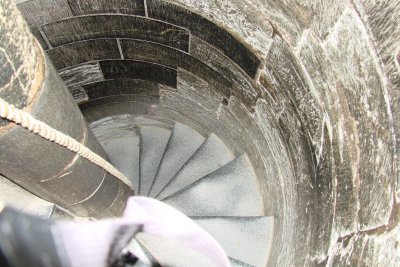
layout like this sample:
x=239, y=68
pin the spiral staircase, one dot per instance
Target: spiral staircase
x=197, y=175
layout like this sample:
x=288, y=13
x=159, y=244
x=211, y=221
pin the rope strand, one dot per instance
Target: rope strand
x=27, y=121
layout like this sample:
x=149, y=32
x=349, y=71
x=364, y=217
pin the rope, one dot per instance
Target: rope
x=26, y=120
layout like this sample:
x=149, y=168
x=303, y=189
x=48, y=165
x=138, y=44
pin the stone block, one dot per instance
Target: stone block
x=130, y=69
x=382, y=19
x=335, y=156
x=81, y=52
x=206, y=30
x=199, y=91
x=116, y=26
x=132, y=7
x=121, y=87
x=82, y=74
x=290, y=76
x=78, y=93
x=359, y=73
x=214, y=58
x=40, y=12
x=147, y=51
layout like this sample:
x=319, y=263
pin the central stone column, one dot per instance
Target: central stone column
x=29, y=81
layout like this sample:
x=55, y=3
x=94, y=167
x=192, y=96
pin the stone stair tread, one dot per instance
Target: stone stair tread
x=239, y=236
x=153, y=142
x=121, y=141
x=212, y=155
x=183, y=143
x=170, y=253
x=123, y=151
x=231, y=190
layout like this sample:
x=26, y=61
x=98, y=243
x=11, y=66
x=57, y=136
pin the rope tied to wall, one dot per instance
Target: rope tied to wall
x=27, y=121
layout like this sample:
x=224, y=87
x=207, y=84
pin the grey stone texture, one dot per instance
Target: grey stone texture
x=121, y=142
x=135, y=7
x=17, y=49
x=253, y=236
x=318, y=117
x=117, y=26
x=212, y=155
x=233, y=190
x=182, y=144
x=81, y=52
x=153, y=142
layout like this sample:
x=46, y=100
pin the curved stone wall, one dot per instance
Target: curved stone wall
x=308, y=90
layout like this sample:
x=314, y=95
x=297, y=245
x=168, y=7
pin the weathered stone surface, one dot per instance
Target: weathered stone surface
x=40, y=12
x=246, y=87
x=76, y=76
x=200, y=91
x=382, y=18
x=375, y=249
x=81, y=52
x=206, y=30
x=121, y=87
x=132, y=7
x=286, y=168
x=336, y=154
x=320, y=132
x=130, y=69
x=244, y=19
x=147, y=51
x=289, y=75
x=325, y=14
x=82, y=74
x=116, y=26
x=17, y=49
x=78, y=93
x=364, y=89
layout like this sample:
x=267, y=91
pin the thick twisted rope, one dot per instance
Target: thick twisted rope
x=26, y=120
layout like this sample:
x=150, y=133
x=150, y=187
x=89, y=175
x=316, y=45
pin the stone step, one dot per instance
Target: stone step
x=232, y=190
x=212, y=155
x=121, y=142
x=246, y=239
x=171, y=253
x=153, y=142
x=183, y=143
